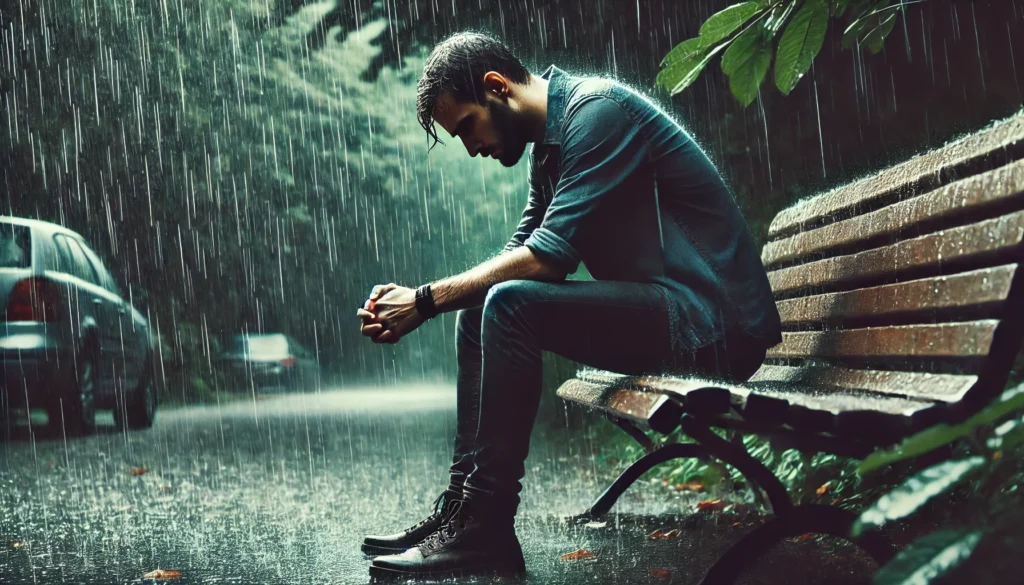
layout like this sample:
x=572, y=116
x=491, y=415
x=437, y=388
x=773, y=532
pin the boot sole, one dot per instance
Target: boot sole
x=385, y=574
x=372, y=550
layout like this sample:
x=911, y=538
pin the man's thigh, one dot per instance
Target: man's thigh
x=620, y=326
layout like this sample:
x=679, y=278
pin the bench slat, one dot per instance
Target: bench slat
x=918, y=174
x=1005, y=184
x=914, y=385
x=968, y=243
x=657, y=411
x=945, y=340
x=802, y=407
x=967, y=291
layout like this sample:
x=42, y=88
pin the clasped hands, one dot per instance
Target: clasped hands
x=389, y=313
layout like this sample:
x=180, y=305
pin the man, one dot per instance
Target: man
x=615, y=184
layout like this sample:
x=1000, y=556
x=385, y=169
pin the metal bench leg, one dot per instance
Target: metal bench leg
x=738, y=457
x=808, y=518
x=632, y=430
x=606, y=500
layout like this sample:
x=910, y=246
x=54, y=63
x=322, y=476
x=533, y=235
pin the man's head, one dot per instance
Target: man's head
x=469, y=87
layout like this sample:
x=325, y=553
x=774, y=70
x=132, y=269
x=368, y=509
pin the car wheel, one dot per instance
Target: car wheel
x=75, y=405
x=139, y=409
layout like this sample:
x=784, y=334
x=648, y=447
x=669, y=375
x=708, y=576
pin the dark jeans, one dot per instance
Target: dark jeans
x=618, y=326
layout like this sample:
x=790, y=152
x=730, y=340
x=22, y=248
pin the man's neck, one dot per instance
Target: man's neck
x=534, y=99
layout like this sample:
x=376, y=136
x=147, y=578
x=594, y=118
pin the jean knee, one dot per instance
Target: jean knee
x=467, y=325
x=505, y=298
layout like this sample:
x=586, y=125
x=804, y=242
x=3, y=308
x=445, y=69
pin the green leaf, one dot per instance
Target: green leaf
x=928, y=558
x=800, y=43
x=746, y=63
x=875, y=38
x=943, y=434
x=864, y=22
x=724, y=23
x=683, y=51
x=1008, y=435
x=778, y=17
x=914, y=493
x=677, y=77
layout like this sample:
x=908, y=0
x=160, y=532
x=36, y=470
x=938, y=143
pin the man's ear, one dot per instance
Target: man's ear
x=497, y=84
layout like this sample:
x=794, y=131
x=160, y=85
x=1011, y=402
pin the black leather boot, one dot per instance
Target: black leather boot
x=399, y=542
x=472, y=542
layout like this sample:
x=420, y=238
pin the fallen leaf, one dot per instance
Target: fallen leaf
x=660, y=573
x=690, y=486
x=997, y=456
x=656, y=535
x=162, y=574
x=710, y=505
x=577, y=555
x=824, y=489
x=804, y=537
x=737, y=524
x=137, y=471
x=17, y=544
x=670, y=534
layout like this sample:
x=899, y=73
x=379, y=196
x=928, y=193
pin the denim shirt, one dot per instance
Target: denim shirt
x=620, y=186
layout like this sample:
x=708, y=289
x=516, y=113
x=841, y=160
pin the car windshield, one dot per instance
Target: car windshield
x=15, y=246
x=260, y=346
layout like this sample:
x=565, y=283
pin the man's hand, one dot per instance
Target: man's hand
x=389, y=314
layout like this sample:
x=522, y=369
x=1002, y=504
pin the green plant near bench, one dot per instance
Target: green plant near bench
x=744, y=35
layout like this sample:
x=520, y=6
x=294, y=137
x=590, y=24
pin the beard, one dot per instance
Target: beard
x=510, y=131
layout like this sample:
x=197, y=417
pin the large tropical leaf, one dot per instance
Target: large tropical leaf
x=874, y=39
x=864, y=22
x=724, y=23
x=746, y=63
x=684, y=51
x=677, y=77
x=943, y=434
x=778, y=17
x=913, y=493
x=800, y=43
x=928, y=558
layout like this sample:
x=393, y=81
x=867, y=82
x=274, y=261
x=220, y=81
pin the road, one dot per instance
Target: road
x=280, y=489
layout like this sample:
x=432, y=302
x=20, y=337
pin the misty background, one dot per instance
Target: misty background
x=257, y=165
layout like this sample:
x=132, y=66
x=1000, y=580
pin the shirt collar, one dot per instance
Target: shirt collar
x=557, y=87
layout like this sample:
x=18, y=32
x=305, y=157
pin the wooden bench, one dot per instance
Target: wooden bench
x=902, y=305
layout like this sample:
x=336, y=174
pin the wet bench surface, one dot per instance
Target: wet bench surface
x=902, y=303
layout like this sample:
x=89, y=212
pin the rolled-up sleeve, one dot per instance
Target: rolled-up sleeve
x=601, y=147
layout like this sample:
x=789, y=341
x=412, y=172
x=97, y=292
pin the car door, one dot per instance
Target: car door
x=101, y=305
x=132, y=331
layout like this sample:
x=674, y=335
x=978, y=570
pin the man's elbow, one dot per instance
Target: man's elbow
x=548, y=269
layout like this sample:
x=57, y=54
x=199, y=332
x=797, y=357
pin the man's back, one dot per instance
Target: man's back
x=620, y=186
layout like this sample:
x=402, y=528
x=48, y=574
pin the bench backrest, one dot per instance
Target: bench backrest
x=915, y=269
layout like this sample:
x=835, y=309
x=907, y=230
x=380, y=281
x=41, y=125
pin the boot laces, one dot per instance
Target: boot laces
x=448, y=531
x=439, y=510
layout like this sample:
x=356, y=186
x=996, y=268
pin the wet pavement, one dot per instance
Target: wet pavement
x=279, y=489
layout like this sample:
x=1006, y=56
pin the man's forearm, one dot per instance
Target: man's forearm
x=469, y=289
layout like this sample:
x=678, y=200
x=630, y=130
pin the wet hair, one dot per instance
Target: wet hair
x=458, y=64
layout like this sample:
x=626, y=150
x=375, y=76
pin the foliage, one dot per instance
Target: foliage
x=747, y=31
x=929, y=558
x=915, y=492
x=997, y=471
x=944, y=434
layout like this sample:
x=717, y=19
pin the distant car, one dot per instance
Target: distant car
x=271, y=359
x=69, y=342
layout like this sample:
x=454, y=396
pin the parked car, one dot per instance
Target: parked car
x=69, y=341
x=264, y=360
